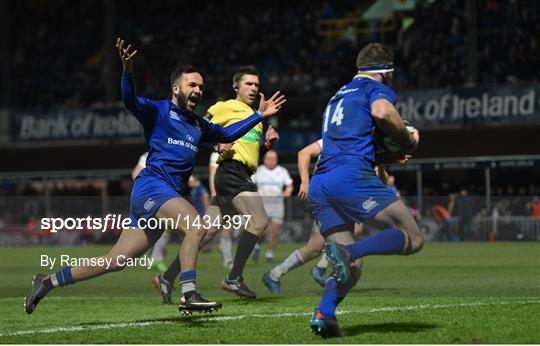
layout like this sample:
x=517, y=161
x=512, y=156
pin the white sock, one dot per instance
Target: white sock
x=294, y=260
x=188, y=287
x=158, y=251
x=269, y=254
x=225, y=245
x=323, y=262
x=54, y=281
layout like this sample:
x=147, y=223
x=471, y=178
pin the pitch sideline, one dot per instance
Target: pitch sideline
x=239, y=317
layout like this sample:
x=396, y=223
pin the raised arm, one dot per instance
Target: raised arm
x=219, y=134
x=139, y=106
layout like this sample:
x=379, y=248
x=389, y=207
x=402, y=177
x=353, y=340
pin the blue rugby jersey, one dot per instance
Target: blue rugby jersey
x=173, y=135
x=348, y=123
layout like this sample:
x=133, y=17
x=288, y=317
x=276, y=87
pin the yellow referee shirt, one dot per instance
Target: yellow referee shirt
x=247, y=148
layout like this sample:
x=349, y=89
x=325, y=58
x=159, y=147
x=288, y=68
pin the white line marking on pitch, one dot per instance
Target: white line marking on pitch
x=240, y=317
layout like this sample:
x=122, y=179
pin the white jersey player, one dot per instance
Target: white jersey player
x=274, y=184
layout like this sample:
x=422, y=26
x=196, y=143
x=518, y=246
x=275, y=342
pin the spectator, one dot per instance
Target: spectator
x=465, y=211
x=534, y=207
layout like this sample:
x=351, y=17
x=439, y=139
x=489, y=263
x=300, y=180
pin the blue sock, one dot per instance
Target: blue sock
x=187, y=282
x=188, y=276
x=329, y=299
x=333, y=295
x=390, y=241
x=64, y=277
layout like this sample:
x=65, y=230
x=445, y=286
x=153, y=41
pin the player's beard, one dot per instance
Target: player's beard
x=183, y=101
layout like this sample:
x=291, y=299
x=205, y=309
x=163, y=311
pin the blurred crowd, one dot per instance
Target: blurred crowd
x=59, y=59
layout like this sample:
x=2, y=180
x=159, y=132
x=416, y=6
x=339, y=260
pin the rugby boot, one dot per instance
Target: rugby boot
x=164, y=288
x=273, y=285
x=238, y=287
x=341, y=260
x=193, y=301
x=317, y=273
x=38, y=292
x=323, y=326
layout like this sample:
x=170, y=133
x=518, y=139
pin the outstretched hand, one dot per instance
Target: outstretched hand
x=125, y=55
x=272, y=105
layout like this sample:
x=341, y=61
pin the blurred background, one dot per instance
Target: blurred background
x=467, y=76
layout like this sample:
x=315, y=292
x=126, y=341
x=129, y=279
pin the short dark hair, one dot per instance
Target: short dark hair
x=242, y=71
x=180, y=70
x=374, y=54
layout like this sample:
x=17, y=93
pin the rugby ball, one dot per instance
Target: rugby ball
x=384, y=142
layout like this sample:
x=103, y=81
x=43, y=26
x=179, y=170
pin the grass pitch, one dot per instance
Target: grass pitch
x=447, y=293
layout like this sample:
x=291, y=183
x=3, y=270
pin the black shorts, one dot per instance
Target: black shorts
x=232, y=177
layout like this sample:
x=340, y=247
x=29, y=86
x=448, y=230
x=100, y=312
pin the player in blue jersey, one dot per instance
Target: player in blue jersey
x=173, y=133
x=345, y=189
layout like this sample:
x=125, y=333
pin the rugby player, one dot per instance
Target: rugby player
x=345, y=189
x=274, y=184
x=315, y=244
x=158, y=250
x=173, y=132
x=235, y=191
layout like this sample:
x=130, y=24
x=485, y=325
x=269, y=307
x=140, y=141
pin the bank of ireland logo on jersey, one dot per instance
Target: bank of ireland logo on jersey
x=173, y=115
x=369, y=204
x=190, y=138
x=149, y=204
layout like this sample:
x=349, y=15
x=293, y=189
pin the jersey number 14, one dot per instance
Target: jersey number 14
x=337, y=116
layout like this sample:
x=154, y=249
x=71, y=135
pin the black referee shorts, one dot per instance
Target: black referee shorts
x=232, y=177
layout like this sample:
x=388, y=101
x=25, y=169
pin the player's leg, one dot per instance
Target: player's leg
x=276, y=213
x=319, y=270
x=247, y=203
x=132, y=243
x=158, y=251
x=194, y=234
x=399, y=234
x=225, y=246
x=358, y=229
x=273, y=230
x=339, y=227
x=213, y=213
x=164, y=282
x=312, y=249
x=324, y=320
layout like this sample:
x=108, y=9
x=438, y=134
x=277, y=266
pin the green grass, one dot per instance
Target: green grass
x=447, y=293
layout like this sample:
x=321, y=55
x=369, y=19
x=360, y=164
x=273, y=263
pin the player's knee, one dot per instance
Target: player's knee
x=209, y=236
x=258, y=226
x=201, y=233
x=416, y=239
x=417, y=242
x=116, y=265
